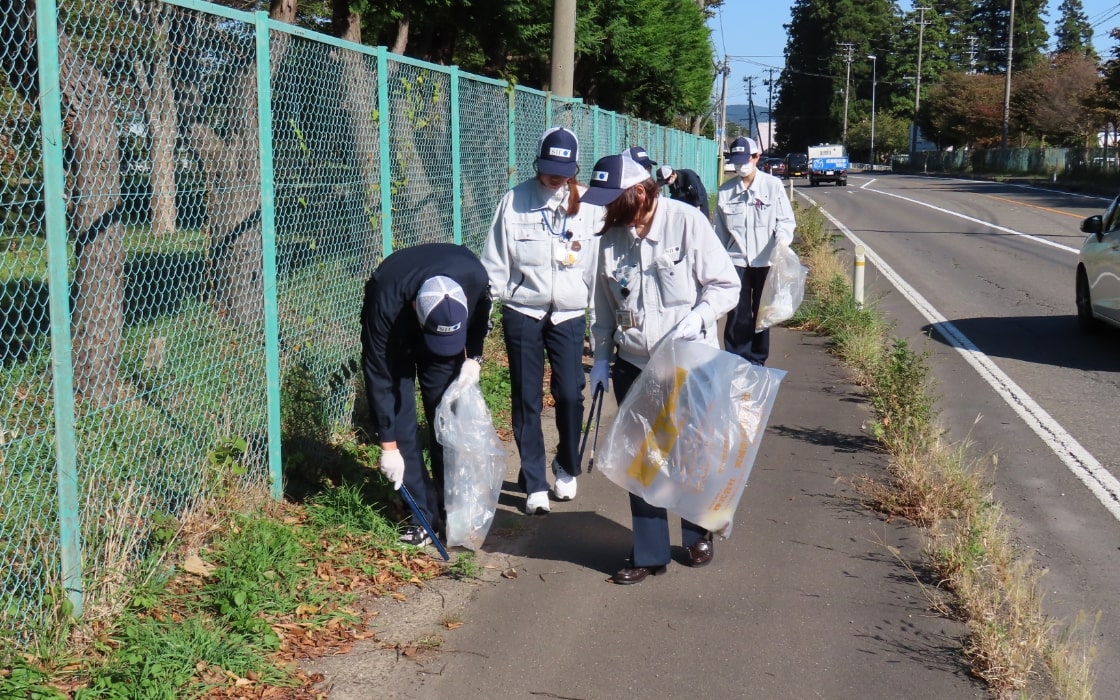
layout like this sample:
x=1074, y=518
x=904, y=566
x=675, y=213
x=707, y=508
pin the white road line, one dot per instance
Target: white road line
x=1077, y=459
x=1004, y=229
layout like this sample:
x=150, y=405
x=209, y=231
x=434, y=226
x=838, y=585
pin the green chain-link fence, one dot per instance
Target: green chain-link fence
x=193, y=197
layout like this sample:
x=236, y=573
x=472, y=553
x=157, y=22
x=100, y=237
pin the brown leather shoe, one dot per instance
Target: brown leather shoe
x=637, y=574
x=701, y=552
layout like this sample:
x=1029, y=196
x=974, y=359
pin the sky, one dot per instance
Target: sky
x=750, y=34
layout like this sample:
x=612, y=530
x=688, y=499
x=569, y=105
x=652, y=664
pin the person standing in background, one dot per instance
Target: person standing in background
x=661, y=273
x=685, y=186
x=540, y=258
x=423, y=307
x=753, y=215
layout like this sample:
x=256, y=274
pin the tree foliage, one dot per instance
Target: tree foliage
x=1047, y=100
x=964, y=110
x=1074, y=34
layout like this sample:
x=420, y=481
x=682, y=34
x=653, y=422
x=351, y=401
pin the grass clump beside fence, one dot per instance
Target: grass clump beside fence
x=983, y=578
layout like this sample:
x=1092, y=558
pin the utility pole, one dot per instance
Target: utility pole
x=917, y=83
x=874, y=72
x=847, y=79
x=971, y=53
x=721, y=128
x=1007, y=83
x=770, y=111
x=749, y=80
x=562, y=79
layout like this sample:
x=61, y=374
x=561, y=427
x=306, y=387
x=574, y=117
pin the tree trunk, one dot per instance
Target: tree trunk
x=401, y=42
x=98, y=317
x=360, y=103
x=158, y=97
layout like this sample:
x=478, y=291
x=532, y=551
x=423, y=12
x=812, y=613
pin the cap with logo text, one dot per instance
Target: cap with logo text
x=641, y=157
x=742, y=149
x=441, y=305
x=558, y=153
x=612, y=176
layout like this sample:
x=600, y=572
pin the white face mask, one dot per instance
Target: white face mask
x=746, y=169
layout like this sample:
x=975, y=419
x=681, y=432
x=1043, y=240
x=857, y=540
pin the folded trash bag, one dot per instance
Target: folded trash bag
x=783, y=290
x=688, y=431
x=474, y=464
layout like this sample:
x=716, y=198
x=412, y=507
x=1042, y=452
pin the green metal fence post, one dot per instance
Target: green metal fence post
x=268, y=254
x=386, y=165
x=456, y=159
x=595, y=134
x=58, y=257
x=548, y=110
x=511, y=92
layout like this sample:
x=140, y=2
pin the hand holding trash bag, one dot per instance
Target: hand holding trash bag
x=783, y=290
x=470, y=371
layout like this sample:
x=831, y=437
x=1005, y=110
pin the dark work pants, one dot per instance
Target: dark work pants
x=650, y=523
x=527, y=341
x=434, y=374
x=739, y=336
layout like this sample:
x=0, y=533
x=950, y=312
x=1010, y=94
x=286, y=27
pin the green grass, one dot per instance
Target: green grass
x=941, y=487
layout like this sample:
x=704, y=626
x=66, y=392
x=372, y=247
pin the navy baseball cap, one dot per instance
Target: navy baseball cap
x=612, y=176
x=641, y=157
x=558, y=153
x=441, y=305
x=742, y=149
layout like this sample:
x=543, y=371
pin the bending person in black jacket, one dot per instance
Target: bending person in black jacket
x=424, y=306
x=684, y=186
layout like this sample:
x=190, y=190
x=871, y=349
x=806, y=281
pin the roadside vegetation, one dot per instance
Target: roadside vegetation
x=244, y=587
x=979, y=575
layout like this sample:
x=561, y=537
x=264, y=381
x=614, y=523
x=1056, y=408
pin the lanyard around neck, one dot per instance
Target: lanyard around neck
x=563, y=234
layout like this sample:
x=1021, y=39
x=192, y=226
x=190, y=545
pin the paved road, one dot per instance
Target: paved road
x=1003, y=278
x=805, y=600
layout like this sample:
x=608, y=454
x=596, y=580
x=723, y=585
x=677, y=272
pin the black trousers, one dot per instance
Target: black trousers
x=434, y=374
x=527, y=341
x=650, y=523
x=739, y=336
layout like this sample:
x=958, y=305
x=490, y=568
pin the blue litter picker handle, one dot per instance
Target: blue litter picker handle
x=424, y=522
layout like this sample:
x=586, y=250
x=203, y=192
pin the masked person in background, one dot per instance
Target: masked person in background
x=684, y=186
x=662, y=272
x=540, y=257
x=424, y=319
x=753, y=215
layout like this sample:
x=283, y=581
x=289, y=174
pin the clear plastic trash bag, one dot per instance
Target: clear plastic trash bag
x=474, y=464
x=783, y=290
x=688, y=431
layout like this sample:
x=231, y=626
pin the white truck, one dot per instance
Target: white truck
x=828, y=162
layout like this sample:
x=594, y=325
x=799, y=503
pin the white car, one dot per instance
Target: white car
x=1098, y=270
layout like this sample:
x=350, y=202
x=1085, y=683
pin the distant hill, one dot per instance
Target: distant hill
x=740, y=114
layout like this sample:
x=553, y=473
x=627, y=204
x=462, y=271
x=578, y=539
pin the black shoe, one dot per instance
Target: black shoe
x=415, y=535
x=636, y=574
x=701, y=552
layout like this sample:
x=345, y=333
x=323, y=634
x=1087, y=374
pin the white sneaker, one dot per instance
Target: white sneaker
x=565, y=483
x=537, y=503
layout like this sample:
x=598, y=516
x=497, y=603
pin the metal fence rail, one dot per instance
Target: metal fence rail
x=193, y=197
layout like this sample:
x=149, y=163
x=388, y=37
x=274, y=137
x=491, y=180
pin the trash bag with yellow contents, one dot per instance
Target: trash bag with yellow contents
x=688, y=431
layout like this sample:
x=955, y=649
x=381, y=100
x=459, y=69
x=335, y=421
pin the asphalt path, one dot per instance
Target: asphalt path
x=812, y=596
x=981, y=275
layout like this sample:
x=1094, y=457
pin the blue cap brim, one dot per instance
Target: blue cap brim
x=551, y=167
x=447, y=345
x=601, y=196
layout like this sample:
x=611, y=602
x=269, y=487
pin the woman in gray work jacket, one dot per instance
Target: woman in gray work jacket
x=540, y=257
x=662, y=272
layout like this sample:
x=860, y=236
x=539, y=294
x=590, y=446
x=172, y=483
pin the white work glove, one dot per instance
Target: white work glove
x=690, y=327
x=392, y=465
x=600, y=374
x=470, y=371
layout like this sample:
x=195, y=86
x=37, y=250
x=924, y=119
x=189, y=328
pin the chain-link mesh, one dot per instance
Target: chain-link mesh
x=187, y=242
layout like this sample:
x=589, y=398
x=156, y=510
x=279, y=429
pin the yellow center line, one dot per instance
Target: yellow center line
x=1033, y=206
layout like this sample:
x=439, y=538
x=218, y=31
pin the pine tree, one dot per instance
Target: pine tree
x=1074, y=34
x=990, y=23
